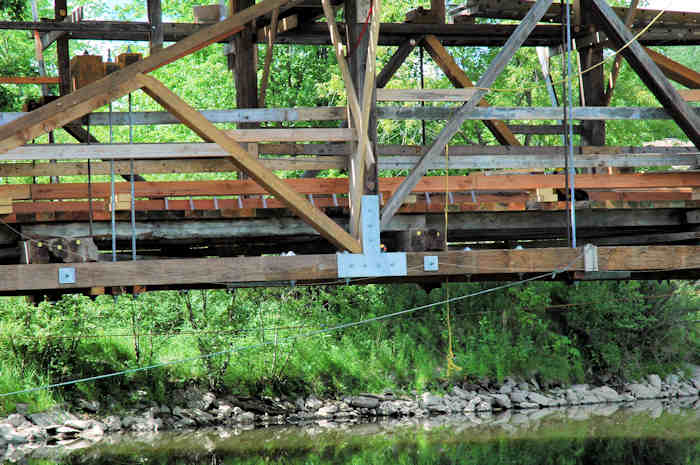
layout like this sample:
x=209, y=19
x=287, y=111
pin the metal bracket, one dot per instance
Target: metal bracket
x=430, y=263
x=372, y=262
x=66, y=276
x=590, y=258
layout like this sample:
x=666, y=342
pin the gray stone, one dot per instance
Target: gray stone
x=672, y=379
x=201, y=417
x=588, y=398
x=8, y=435
x=130, y=420
x=461, y=393
x=312, y=403
x=506, y=389
x=580, y=387
x=572, y=397
x=91, y=406
x=539, y=399
x=327, y=411
x=434, y=403
x=642, y=391
x=246, y=418
x=518, y=396
x=208, y=401
x=78, y=424
x=502, y=400
x=655, y=381
x=224, y=411
x=22, y=409
x=51, y=417
x=606, y=393
x=528, y=405
x=364, y=402
x=483, y=407
x=16, y=420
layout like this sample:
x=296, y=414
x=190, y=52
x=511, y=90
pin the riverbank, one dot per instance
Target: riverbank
x=86, y=422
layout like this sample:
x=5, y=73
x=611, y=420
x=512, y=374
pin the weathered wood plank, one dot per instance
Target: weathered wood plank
x=328, y=186
x=266, y=178
x=494, y=70
x=293, y=135
x=648, y=71
x=674, y=70
x=425, y=95
x=323, y=267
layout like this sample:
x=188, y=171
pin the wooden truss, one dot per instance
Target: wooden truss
x=131, y=78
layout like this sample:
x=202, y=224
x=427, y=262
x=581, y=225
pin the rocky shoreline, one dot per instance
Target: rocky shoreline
x=88, y=422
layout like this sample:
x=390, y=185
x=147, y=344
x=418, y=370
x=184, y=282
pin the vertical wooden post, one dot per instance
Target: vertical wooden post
x=62, y=52
x=155, y=20
x=243, y=64
x=356, y=13
x=593, y=82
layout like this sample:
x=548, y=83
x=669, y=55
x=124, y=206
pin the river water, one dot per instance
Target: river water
x=642, y=433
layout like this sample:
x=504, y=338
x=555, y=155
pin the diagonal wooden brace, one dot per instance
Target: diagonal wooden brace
x=97, y=94
x=262, y=175
x=514, y=42
x=648, y=71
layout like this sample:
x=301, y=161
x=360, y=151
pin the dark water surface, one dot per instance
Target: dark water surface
x=639, y=434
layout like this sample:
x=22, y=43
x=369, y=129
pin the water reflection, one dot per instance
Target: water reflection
x=649, y=432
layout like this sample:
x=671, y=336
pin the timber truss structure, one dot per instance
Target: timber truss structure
x=508, y=218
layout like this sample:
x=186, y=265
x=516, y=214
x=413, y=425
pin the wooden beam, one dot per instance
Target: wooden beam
x=29, y=80
x=648, y=71
x=268, y=56
x=425, y=95
x=155, y=19
x=327, y=186
x=266, y=178
x=293, y=135
x=615, y=72
x=460, y=79
x=674, y=70
x=396, y=61
x=88, y=98
x=494, y=70
x=309, y=268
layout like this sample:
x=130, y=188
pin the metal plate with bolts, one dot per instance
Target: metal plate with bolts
x=66, y=276
x=351, y=265
x=430, y=263
x=372, y=262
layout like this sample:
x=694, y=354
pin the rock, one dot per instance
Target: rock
x=16, y=420
x=22, y=409
x=91, y=406
x=51, y=417
x=641, y=391
x=95, y=432
x=78, y=424
x=606, y=393
x=312, y=403
x=518, y=396
x=539, y=399
x=528, y=405
x=672, y=380
x=130, y=420
x=572, y=397
x=246, y=418
x=432, y=403
x=655, y=381
x=147, y=425
x=364, y=402
x=580, y=387
x=327, y=412
x=201, y=417
x=461, y=393
x=588, y=398
x=506, y=389
x=8, y=435
x=483, y=407
x=208, y=401
x=224, y=411
x=502, y=400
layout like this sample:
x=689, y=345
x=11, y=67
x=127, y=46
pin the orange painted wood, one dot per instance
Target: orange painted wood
x=28, y=80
